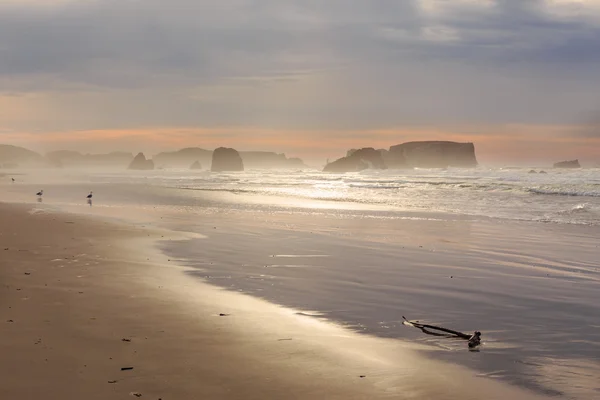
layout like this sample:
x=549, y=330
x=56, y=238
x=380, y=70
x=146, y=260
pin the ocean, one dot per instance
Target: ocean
x=507, y=252
x=558, y=196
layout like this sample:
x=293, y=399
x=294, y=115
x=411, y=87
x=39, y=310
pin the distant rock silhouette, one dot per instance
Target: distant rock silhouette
x=251, y=159
x=269, y=159
x=567, y=164
x=431, y=154
x=183, y=158
x=532, y=171
x=226, y=159
x=62, y=155
x=196, y=165
x=357, y=160
x=425, y=154
x=14, y=157
x=68, y=158
x=543, y=172
x=140, y=163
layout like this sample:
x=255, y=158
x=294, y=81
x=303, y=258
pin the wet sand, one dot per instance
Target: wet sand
x=532, y=289
x=72, y=289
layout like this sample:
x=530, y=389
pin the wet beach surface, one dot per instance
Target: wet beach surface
x=535, y=301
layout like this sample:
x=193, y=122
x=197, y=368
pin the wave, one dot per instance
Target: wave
x=564, y=192
x=582, y=208
x=572, y=199
x=383, y=187
x=219, y=190
x=318, y=197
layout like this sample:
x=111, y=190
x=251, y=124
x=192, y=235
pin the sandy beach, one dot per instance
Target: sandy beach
x=82, y=299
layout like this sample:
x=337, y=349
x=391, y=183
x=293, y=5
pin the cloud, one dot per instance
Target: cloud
x=131, y=43
x=296, y=64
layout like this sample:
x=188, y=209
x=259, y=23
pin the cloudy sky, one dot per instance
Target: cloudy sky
x=520, y=78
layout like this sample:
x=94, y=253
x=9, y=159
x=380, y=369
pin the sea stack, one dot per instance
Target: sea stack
x=226, y=159
x=432, y=154
x=568, y=164
x=357, y=160
x=196, y=165
x=140, y=163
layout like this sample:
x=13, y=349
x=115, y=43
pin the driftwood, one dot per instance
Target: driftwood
x=474, y=339
x=426, y=329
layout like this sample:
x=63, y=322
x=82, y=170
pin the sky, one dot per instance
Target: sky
x=311, y=78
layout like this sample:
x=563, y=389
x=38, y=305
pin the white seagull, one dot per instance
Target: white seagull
x=40, y=193
x=89, y=196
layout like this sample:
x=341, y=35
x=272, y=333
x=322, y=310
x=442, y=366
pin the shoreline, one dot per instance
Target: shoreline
x=67, y=336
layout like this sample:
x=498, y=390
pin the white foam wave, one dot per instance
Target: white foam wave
x=562, y=191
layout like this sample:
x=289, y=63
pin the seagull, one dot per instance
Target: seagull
x=40, y=193
x=13, y=179
x=89, y=196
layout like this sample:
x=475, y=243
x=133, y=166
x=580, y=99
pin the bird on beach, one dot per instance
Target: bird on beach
x=13, y=179
x=89, y=196
x=40, y=193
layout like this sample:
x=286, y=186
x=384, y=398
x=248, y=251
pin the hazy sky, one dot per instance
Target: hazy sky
x=520, y=78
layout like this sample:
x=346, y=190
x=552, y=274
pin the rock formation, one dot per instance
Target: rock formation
x=183, y=158
x=357, y=160
x=295, y=162
x=196, y=165
x=251, y=159
x=68, y=158
x=226, y=159
x=14, y=157
x=140, y=163
x=567, y=164
x=269, y=159
x=432, y=154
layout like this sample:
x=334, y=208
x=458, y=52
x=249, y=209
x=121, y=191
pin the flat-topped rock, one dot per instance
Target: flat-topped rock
x=567, y=164
x=432, y=154
x=226, y=159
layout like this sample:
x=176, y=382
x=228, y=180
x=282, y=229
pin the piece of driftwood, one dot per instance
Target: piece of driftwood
x=474, y=339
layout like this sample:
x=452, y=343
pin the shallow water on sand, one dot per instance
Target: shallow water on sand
x=534, y=300
x=532, y=288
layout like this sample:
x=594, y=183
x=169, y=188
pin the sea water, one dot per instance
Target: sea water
x=558, y=196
